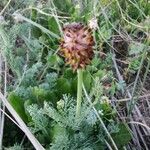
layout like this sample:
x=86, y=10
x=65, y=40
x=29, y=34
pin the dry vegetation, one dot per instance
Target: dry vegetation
x=38, y=90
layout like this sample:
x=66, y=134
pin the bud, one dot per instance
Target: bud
x=17, y=17
x=93, y=23
x=2, y=20
x=60, y=104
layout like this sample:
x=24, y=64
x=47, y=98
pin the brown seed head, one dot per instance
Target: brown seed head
x=77, y=45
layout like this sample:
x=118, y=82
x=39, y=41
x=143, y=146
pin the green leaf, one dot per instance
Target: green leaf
x=95, y=61
x=57, y=131
x=64, y=6
x=123, y=137
x=107, y=33
x=39, y=93
x=100, y=73
x=26, y=104
x=52, y=97
x=18, y=104
x=63, y=86
x=52, y=60
x=69, y=74
x=52, y=25
x=136, y=48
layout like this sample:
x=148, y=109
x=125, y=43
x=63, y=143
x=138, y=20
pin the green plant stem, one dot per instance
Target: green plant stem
x=79, y=92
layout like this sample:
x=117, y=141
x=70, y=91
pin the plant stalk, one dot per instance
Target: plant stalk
x=79, y=92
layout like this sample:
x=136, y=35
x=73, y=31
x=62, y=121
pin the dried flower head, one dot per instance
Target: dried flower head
x=77, y=45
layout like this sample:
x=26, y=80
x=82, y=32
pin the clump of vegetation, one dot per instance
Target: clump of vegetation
x=75, y=73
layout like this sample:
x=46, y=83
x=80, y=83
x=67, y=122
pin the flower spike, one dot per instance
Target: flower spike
x=77, y=45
